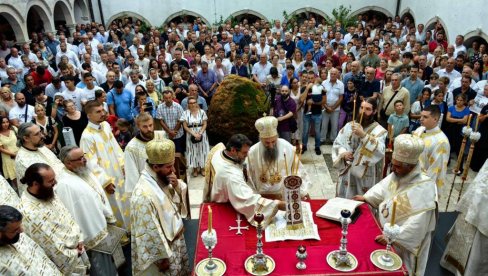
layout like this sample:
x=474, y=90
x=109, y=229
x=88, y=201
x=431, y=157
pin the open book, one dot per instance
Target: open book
x=332, y=209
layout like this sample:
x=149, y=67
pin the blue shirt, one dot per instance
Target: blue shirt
x=206, y=80
x=414, y=88
x=399, y=122
x=136, y=110
x=123, y=103
x=305, y=46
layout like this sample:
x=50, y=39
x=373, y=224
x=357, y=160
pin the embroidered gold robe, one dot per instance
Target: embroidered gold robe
x=356, y=177
x=157, y=226
x=257, y=168
x=53, y=228
x=7, y=194
x=107, y=160
x=415, y=214
x=25, y=257
x=225, y=182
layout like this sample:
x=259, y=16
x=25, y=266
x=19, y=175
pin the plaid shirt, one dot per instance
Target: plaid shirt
x=170, y=115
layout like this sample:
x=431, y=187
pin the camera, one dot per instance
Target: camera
x=148, y=107
x=358, y=81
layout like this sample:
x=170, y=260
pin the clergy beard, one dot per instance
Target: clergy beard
x=7, y=241
x=163, y=179
x=82, y=171
x=45, y=193
x=147, y=136
x=367, y=120
x=270, y=154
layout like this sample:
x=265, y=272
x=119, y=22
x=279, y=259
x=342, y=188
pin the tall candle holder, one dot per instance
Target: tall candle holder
x=210, y=266
x=342, y=260
x=259, y=263
x=384, y=258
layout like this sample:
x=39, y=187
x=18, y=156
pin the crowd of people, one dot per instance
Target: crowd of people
x=133, y=99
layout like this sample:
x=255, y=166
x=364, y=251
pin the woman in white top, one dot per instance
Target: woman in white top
x=195, y=124
x=209, y=56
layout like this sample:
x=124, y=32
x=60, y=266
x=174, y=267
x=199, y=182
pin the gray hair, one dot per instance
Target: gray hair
x=8, y=214
x=65, y=152
x=22, y=132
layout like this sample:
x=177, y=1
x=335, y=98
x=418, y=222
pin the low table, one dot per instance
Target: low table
x=234, y=249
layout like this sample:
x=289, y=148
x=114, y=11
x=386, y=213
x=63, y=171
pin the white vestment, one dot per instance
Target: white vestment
x=435, y=156
x=467, y=249
x=107, y=160
x=257, y=167
x=26, y=157
x=7, y=195
x=225, y=182
x=356, y=177
x=85, y=204
x=51, y=226
x=25, y=257
x=415, y=194
x=135, y=161
x=157, y=226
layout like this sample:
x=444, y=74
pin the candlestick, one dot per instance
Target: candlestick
x=286, y=164
x=393, y=212
x=392, y=131
x=469, y=120
x=354, y=109
x=361, y=117
x=209, y=219
x=477, y=122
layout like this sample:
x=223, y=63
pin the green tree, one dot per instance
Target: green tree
x=343, y=15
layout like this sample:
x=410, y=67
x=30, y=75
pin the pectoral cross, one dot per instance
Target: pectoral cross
x=238, y=227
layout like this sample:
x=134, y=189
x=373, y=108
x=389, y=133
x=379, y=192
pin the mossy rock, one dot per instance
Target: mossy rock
x=235, y=107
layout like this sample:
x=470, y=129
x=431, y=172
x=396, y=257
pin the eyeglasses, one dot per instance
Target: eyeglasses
x=79, y=159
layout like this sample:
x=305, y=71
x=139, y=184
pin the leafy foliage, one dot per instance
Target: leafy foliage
x=343, y=15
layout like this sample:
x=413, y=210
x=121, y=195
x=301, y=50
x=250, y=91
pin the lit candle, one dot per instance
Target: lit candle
x=393, y=212
x=354, y=109
x=286, y=164
x=392, y=131
x=209, y=219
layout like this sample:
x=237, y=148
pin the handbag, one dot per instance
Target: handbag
x=192, y=138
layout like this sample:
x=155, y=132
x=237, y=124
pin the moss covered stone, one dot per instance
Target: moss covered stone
x=236, y=105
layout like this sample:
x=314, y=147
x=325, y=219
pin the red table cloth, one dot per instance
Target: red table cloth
x=234, y=249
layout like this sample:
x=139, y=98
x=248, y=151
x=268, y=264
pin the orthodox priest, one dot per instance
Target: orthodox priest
x=225, y=181
x=467, y=248
x=32, y=150
x=415, y=195
x=49, y=223
x=358, y=152
x=158, y=206
x=83, y=196
x=107, y=160
x=135, y=152
x=437, y=148
x=19, y=254
x=270, y=160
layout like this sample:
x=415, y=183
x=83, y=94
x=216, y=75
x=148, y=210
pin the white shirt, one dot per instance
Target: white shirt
x=334, y=91
x=132, y=87
x=19, y=113
x=88, y=94
x=74, y=95
x=16, y=62
x=451, y=75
